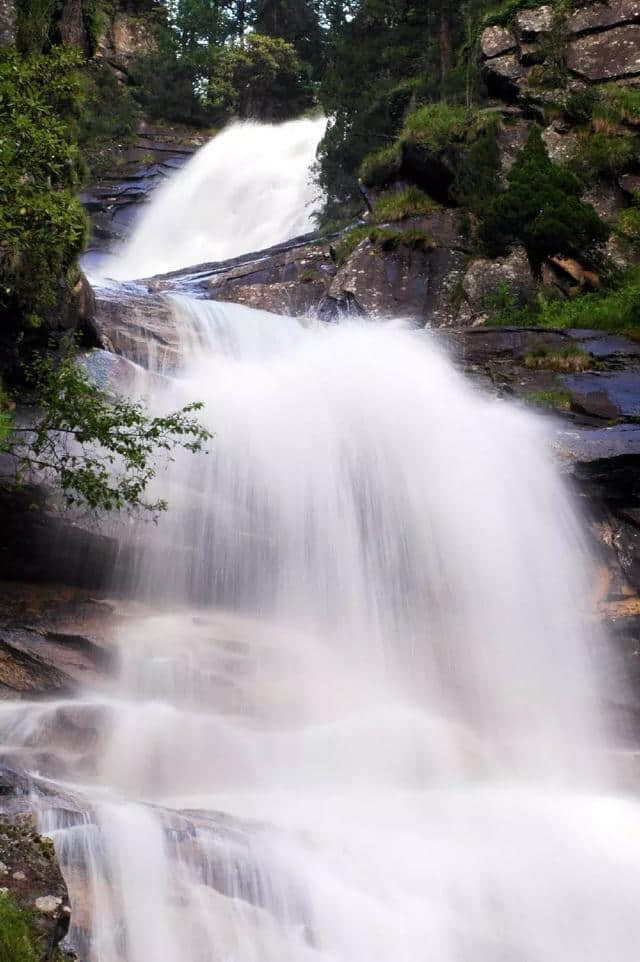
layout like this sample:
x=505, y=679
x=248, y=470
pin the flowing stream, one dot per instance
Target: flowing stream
x=358, y=717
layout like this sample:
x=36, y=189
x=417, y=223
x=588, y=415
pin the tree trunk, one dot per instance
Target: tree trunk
x=241, y=14
x=446, y=44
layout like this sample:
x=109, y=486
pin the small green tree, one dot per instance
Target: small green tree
x=100, y=452
x=260, y=78
x=541, y=208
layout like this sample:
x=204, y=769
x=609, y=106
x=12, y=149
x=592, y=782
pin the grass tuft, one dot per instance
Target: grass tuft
x=411, y=202
x=384, y=239
x=436, y=125
x=564, y=359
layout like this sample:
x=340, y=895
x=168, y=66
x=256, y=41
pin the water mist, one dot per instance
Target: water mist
x=359, y=713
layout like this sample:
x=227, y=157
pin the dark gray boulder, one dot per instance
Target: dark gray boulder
x=610, y=55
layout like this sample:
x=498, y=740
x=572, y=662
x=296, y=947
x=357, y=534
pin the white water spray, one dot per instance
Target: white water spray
x=248, y=189
x=364, y=720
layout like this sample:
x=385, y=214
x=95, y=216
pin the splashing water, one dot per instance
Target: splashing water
x=363, y=720
x=248, y=189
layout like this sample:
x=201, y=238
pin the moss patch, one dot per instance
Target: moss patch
x=384, y=239
x=436, y=125
x=381, y=167
x=18, y=942
x=557, y=400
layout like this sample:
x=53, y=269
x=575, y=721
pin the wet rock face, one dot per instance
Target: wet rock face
x=297, y=278
x=415, y=283
x=137, y=326
x=29, y=871
x=116, y=200
x=292, y=282
x=596, y=442
x=40, y=544
x=52, y=640
x=511, y=275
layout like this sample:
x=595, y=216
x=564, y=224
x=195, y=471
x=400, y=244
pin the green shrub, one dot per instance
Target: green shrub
x=34, y=22
x=478, y=169
x=164, y=79
x=501, y=305
x=613, y=310
x=96, y=15
x=261, y=79
x=42, y=224
x=541, y=208
x=381, y=167
x=109, y=119
x=579, y=106
x=116, y=441
x=603, y=154
x=411, y=202
x=17, y=940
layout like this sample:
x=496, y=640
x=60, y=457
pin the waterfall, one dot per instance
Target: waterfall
x=248, y=189
x=359, y=710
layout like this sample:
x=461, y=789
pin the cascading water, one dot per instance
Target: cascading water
x=248, y=189
x=363, y=721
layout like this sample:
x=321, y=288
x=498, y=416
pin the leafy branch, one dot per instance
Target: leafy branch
x=101, y=452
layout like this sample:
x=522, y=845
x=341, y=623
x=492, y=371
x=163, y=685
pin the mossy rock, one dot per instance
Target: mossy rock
x=34, y=903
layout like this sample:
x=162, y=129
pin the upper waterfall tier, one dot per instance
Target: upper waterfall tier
x=249, y=188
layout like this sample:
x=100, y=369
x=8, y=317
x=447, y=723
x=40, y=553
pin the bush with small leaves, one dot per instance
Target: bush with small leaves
x=42, y=224
x=100, y=452
x=541, y=208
